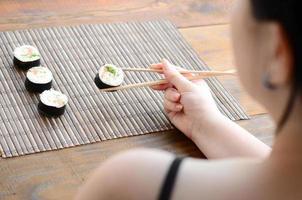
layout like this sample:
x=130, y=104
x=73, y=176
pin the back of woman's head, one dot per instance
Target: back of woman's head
x=288, y=14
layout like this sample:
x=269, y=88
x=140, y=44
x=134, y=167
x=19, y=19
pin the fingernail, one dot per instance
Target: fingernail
x=168, y=65
x=179, y=107
x=176, y=96
x=164, y=60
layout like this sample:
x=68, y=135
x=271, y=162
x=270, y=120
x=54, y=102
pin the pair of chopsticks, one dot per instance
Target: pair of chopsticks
x=198, y=75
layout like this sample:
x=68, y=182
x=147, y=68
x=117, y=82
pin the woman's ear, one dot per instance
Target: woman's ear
x=281, y=66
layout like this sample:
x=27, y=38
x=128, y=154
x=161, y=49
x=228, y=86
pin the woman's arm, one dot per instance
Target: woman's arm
x=191, y=108
x=139, y=174
x=219, y=137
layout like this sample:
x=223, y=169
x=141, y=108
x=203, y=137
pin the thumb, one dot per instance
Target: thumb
x=173, y=76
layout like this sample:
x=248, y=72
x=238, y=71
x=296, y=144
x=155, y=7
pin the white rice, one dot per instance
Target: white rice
x=39, y=75
x=27, y=53
x=53, y=98
x=110, y=78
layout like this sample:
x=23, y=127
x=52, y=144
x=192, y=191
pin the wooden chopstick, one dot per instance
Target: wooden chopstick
x=201, y=75
x=152, y=70
x=180, y=71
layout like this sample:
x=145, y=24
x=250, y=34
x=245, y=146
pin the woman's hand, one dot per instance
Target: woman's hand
x=188, y=104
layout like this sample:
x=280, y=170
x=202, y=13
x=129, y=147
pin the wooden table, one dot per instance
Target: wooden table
x=204, y=23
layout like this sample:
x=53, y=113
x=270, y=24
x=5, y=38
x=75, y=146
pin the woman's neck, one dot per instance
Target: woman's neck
x=288, y=141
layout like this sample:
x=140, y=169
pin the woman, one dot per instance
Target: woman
x=267, y=40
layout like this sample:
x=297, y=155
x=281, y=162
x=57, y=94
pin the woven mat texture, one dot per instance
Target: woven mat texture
x=74, y=55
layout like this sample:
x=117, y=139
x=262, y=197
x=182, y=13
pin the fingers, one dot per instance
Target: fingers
x=201, y=83
x=172, y=94
x=171, y=102
x=174, y=77
x=157, y=66
x=161, y=87
x=172, y=106
x=161, y=66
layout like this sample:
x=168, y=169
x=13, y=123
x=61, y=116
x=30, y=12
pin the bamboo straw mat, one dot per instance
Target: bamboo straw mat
x=74, y=55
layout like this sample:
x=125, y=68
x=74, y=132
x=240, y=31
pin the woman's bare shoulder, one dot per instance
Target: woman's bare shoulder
x=238, y=179
x=219, y=179
x=139, y=174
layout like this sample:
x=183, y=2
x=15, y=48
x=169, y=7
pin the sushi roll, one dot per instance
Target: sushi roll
x=109, y=76
x=52, y=103
x=26, y=56
x=38, y=79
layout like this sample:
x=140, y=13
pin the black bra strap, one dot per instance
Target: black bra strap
x=167, y=187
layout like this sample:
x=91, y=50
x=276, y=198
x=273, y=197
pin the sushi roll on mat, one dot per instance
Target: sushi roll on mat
x=26, y=56
x=38, y=79
x=52, y=103
x=109, y=76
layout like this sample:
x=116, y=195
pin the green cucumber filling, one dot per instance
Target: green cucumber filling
x=112, y=70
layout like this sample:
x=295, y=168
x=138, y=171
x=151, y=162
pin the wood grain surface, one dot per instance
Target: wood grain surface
x=58, y=174
x=18, y=14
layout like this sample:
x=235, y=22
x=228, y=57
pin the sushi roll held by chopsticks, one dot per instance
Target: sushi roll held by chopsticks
x=109, y=76
x=38, y=79
x=26, y=56
x=52, y=103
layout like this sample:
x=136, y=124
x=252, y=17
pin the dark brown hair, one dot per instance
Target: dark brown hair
x=288, y=14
